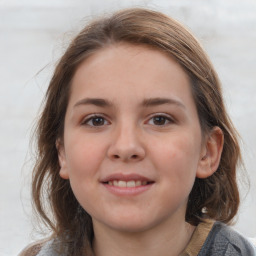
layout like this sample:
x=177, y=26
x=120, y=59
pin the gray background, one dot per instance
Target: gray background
x=33, y=34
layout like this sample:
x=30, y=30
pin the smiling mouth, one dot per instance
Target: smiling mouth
x=127, y=184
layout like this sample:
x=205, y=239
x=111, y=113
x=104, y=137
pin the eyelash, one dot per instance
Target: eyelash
x=166, y=118
x=91, y=118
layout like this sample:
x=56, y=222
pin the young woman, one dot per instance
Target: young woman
x=136, y=153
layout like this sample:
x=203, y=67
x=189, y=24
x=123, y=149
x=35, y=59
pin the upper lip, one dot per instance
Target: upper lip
x=125, y=177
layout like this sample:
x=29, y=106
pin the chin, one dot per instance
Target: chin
x=131, y=227
x=130, y=224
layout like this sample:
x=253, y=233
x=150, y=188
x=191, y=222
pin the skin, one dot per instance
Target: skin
x=135, y=133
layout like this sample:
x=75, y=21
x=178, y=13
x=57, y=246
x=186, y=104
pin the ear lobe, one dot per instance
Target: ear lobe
x=62, y=160
x=211, y=153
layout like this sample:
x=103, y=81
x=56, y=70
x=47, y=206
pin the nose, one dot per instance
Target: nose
x=126, y=145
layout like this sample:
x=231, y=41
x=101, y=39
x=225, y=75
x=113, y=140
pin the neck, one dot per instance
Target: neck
x=163, y=241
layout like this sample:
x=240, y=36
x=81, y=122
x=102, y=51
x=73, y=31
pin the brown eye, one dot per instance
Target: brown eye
x=95, y=121
x=160, y=120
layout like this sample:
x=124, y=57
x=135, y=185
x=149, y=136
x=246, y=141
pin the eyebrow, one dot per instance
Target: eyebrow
x=161, y=101
x=145, y=103
x=94, y=101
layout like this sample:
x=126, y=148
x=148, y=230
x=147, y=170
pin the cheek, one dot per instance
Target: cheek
x=84, y=160
x=178, y=157
x=84, y=156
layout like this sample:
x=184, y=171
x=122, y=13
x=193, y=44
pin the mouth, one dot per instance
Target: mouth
x=127, y=184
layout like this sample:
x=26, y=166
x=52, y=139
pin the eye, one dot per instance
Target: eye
x=160, y=120
x=95, y=121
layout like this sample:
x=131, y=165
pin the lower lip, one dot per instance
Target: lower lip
x=127, y=191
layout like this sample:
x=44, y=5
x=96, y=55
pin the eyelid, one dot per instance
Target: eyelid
x=86, y=119
x=170, y=118
x=94, y=115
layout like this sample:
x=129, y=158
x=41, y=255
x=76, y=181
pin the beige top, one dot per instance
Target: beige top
x=198, y=238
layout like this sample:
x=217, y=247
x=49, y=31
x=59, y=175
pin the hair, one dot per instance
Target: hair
x=215, y=197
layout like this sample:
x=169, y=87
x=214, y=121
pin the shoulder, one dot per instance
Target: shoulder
x=223, y=240
x=41, y=248
x=33, y=249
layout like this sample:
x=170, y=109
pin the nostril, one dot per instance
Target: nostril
x=132, y=157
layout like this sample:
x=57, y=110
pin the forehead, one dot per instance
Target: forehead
x=131, y=68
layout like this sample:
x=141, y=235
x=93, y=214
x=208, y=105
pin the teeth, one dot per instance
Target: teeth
x=137, y=183
x=121, y=184
x=128, y=184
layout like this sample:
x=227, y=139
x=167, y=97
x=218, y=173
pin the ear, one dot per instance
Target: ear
x=210, y=153
x=62, y=160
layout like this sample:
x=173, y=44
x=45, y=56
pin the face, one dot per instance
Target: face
x=132, y=143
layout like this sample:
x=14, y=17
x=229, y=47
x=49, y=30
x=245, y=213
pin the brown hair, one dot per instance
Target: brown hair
x=217, y=195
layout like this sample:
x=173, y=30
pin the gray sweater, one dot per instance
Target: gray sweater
x=221, y=241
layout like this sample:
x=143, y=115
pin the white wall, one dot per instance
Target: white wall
x=34, y=33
